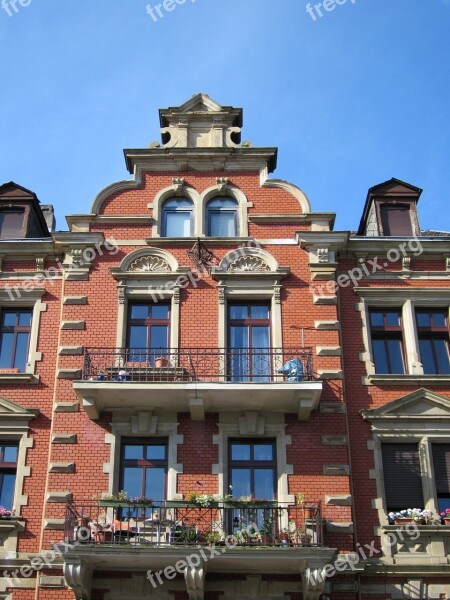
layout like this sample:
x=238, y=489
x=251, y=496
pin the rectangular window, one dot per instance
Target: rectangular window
x=387, y=341
x=396, y=219
x=253, y=468
x=249, y=342
x=433, y=333
x=8, y=469
x=148, y=331
x=11, y=223
x=402, y=476
x=14, y=339
x=441, y=462
x=144, y=470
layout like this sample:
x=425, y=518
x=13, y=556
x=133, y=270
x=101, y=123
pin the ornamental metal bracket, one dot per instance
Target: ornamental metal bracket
x=201, y=257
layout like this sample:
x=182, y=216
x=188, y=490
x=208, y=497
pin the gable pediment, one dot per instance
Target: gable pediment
x=11, y=410
x=421, y=404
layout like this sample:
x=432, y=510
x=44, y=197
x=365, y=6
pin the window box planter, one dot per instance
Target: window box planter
x=408, y=521
x=256, y=504
x=124, y=504
x=186, y=504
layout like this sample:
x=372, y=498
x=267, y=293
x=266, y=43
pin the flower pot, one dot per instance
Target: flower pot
x=407, y=521
x=310, y=512
x=102, y=537
x=447, y=521
x=161, y=362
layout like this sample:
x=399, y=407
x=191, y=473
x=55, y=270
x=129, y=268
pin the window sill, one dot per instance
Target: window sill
x=11, y=523
x=15, y=378
x=407, y=379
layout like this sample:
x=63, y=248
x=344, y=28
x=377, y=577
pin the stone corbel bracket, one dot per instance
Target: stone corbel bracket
x=195, y=582
x=79, y=250
x=78, y=576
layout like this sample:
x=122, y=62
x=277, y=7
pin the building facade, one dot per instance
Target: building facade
x=208, y=393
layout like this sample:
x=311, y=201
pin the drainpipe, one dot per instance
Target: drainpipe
x=347, y=429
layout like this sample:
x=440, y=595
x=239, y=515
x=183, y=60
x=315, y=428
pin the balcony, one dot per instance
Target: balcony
x=199, y=380
x=220, y=538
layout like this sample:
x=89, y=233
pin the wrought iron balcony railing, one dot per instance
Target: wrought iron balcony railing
x=179, y=523
x=258, y=365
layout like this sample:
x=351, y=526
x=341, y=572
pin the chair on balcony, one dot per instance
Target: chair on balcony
x=154, y=531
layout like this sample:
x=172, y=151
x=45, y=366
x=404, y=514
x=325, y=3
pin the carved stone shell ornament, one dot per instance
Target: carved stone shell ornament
x=150, y=264
x=249, y=264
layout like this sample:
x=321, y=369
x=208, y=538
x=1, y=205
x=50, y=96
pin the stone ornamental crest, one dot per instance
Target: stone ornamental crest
x=249, y=264
x=150, y=264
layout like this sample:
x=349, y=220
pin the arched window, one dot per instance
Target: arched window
x=177, y=218
x=221, y=217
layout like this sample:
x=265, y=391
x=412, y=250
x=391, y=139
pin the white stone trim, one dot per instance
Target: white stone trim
x=292, y=189
x=146, y=424
x=274, y=426
x=229, y=191
x=174, y=192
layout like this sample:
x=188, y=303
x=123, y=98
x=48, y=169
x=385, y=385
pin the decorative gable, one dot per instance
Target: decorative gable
x=11, y=410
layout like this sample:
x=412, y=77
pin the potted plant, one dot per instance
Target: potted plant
x=212, y=537
x=445, y=516
x=101, y=529
x=309, y=510
x=161, y=362
x=411, y=515
x=4, y=513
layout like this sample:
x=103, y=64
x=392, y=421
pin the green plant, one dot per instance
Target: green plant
x=301, y=498
x=212, y=537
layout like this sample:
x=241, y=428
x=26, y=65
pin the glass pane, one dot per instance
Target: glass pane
x=6, y=350
x=260, y=337
x=222, y=202
x=376, y=319
x=132, y=481
x=156, y=453
x=260, y=311
x=9, y=319
x=441, y=349
x=238, y=311
x=395, y=354
x=241, y=482
x=239, y=364
x=426, y=356
x=178, y=224
x=155, y=483
x=263, y=452
x=423, y=319
x=439, y=319
x=393, y=319
x=158, y=336
x=160, y=311
x=11, y=222
x=138, y=336
x=7, y=491
x=240, y=452
x=21, y=358
x=239, y=337
x=10, y=454
x=25, y=319
x=264, y=484
x=140, y=311
x=222, y=224
x=178, y=203
x=134, y=452
x=379, y=356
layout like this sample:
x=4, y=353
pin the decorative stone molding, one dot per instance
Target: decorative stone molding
x=336, y=470
x=58, y=497
x=333, y=440
x=67, y=407
x=328, y=350
x=79, y=250
x=150, y=264
x=326, y=325
x=324, y=300
x=73, y=325
x=313, y=583
x=195, y=582
x=61, y=467
x=252, y=423
x=253, y=264
x=332, y=408
x=78, y=576
x=73, y=300
x=70, y=351
x=57, y=524
x=51, y=581
x=64, y=438
x=69, y=374
x=330, y=374
x=341, y=527
x=178, y=184
x=338, y=500
x=222, y=182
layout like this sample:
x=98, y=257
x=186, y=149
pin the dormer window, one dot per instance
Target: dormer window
x=11, y=222
x=177, y=218
x=396, y=219
x=221, y=217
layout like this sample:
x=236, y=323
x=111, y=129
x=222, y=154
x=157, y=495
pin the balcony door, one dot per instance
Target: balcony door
x=148, y=331
x=249, y=356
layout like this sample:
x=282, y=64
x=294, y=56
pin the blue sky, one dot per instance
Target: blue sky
x=351, y=99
